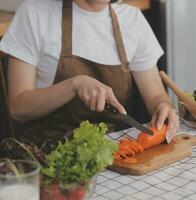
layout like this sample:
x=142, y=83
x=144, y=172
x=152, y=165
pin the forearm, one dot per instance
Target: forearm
x=156, y=101
x=151, y=88
x=32, y=104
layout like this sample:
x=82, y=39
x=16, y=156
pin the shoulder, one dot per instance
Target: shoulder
x=129, y=16
x=37, y=13
x=125, y=10
x=38, y=3
x=37, y=8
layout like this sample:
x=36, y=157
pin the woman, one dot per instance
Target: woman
x=68, y=58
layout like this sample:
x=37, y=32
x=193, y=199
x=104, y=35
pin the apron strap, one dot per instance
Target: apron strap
x=67, y=28
x=67, y=32
x=118, y=37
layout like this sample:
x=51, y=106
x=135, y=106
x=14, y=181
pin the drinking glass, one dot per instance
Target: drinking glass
x=19, y=180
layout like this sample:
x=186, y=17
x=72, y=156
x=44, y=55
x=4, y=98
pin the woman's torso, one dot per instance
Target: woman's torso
x=35, y=37
x=92, y=36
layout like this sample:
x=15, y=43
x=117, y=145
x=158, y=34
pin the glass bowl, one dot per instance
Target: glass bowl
x=185, y=115
x=90, y=188
x=81, y=191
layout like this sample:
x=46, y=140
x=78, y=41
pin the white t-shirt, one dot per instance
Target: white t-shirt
x=35, y=37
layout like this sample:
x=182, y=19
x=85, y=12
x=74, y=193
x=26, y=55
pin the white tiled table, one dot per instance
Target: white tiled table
x=173, y=182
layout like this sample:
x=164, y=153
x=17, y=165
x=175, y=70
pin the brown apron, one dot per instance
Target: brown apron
x=60, y=123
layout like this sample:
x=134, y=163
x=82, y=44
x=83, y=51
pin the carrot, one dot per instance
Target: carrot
x=128, y=148
x=148, y=141
x=127, y=152
x=131, y=152
x=136, y=145
x=130, y=160
x=126, y=144
x=134, y=148
x=117, y=156
x=123, y=154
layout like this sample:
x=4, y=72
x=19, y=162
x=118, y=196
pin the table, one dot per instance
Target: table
x=174, y=182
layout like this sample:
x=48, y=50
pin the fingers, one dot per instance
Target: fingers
x=93, y=103
x=113, y=100
x=86, y=99
x=97, y=101
x=173, y=123
x=154, y=119
x=94, y=94
x=163, y=114
x=100, y=103
x=118, y=106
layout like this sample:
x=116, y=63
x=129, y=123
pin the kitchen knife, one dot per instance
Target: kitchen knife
x=128, y=119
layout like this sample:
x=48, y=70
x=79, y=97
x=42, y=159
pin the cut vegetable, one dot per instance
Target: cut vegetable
x=128, y=148
x=137, y=146
x=130, y=160
x=148, y=141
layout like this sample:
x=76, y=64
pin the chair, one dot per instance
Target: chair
x=6, y=124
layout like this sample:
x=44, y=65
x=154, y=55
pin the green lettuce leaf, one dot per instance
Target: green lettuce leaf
x=79, y=159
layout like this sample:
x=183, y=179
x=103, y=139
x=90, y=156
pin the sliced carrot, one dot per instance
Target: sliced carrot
x=127, y=149
x=127, y=152
x=122, y=140
x=139, y=146
x=124, y=145
x=130, y=145
x=123, y=155
x=130, y=140
x=148, y=141
x=134, y=145
x=130, y=160
x=131, y=152
x=117, y=156
x=134, y=148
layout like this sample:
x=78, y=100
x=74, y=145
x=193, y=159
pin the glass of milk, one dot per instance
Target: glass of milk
x=22, y=186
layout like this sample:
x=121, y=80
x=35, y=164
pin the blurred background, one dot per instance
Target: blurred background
x=174, y=23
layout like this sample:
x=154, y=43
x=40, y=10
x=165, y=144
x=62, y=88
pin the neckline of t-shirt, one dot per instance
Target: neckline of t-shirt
x=91, y=14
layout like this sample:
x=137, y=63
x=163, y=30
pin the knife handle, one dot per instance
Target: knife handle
x=111, y=108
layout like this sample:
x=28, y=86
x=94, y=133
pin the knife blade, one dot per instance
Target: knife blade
x=128, y=119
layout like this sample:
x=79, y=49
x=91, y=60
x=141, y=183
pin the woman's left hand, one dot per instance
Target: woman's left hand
x=165, y=112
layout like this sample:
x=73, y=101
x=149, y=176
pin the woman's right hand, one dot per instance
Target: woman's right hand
x=94, y=93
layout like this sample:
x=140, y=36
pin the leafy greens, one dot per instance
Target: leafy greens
x=80, y=158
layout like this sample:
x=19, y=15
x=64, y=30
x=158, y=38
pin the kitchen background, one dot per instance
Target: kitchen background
x=173, y=22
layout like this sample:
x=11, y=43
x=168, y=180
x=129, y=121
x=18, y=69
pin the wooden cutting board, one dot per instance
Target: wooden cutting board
x=158, y=156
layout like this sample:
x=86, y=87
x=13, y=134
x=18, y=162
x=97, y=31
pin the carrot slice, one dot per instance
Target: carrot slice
x=129, y=145
x=148, y=141
x=128, y=148
x=131, y=152
x=136, y=145
x=127, y=152
x=124, y=145
x=134, y=148
x=141, y=149
x=130, y=160
x=117, y=156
